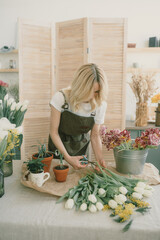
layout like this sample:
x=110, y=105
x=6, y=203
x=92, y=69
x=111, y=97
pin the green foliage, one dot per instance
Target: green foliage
x=127, y=226
x=42, y=151
x=35, y=165
x=3, y=92
x=13, y=91
x=2, y=150
x=143, y=210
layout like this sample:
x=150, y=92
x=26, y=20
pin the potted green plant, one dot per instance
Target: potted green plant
x=46, y=155
x=61, y=170
x=37, y=175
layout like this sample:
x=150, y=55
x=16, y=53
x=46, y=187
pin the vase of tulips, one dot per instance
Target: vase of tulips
x=130, y=155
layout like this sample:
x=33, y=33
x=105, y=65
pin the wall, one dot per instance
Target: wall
x=143, y=22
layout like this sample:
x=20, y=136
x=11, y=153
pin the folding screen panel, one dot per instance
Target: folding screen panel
x=107, y=48
x=35, y=81
x=71, y=50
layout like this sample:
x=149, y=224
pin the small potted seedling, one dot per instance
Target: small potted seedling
x=46, y=155
x=61, y=170
x=37, y=175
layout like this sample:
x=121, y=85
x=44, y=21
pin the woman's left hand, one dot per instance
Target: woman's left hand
x=102, y=163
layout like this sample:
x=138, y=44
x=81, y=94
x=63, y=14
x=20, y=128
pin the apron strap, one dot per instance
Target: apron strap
x=65, y=105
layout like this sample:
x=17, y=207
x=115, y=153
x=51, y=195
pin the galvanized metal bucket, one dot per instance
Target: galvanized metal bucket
x=130, y=161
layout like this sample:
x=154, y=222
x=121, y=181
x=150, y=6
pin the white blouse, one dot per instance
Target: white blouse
x=85, y=108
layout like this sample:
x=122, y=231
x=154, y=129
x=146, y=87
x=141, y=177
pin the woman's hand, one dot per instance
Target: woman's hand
x=74, y=161
x=101, y=163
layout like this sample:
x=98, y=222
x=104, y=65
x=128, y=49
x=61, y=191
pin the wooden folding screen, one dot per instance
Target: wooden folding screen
x=35, y=81
x=101, y=41
x=107, y=44
x=71, y=50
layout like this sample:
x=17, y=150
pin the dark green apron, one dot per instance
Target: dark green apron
x=73, y=131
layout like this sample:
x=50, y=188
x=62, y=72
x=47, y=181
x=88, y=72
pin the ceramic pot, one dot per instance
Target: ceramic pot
x=39, y=178
x=61, y=174
x=46, y=161
x=130, y=161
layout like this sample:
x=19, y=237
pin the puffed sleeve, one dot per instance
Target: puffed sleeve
x=57, y=101
x=100, y=113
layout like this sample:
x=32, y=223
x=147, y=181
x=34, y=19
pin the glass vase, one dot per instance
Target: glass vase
x=141, y=114
x=1, y=182
x=7, y=167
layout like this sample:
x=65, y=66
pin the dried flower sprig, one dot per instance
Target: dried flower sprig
x=143, y=86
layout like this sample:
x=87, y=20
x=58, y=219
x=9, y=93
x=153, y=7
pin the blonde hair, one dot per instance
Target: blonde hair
x=82, y=86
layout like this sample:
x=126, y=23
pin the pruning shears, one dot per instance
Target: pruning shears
x=84, y=160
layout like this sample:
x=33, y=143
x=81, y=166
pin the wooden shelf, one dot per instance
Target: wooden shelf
x=14, y=51
x=144, y=50
x=15, y=70
x=153, y=70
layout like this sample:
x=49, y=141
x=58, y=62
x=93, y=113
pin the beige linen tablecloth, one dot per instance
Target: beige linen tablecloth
x=26, y=214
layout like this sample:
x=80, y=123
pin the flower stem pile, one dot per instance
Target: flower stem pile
x=105, y=190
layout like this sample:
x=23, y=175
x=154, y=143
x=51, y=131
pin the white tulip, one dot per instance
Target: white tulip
x=137, y=195
x=139, y=190
x=26, y=102
x=147, y=193
x=24, y=107
x=120, y=199
x=101, y=191
x=112, y=204
x=9, y=101
x=6, y=125
x=6, y=97
x=3, y=134
x=92, y=198
x=99, y=206
x=69, y=204
x=13, y=106
x=92, y=208
x=123, y=190
x=83, y=207
x=18, y=106
x=19, y=130
x=141, y=184
x=148, y=187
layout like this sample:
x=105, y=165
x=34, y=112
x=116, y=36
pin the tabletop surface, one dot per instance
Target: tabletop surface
x=26, y=214
x=131, y=125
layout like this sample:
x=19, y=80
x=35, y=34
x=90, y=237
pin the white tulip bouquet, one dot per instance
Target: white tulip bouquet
x=9, y=139
x=13, y=111
x=105, y=190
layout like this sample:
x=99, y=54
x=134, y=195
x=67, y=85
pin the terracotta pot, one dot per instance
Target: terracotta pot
x=46, y=161
x=61, y=174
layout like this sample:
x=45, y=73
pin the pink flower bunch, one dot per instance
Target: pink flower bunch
x=3, y=90
x=3, y=84
x=148, y=139
x=114, y=137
